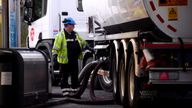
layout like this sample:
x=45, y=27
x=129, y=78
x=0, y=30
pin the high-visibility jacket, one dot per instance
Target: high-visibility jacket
x=60, y=47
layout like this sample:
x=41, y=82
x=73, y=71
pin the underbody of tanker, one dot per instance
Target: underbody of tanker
x=149, y=44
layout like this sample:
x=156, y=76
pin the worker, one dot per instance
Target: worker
x=68, y=46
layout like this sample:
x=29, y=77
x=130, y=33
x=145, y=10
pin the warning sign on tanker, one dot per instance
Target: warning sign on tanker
x=172, y=14
x=173, y=2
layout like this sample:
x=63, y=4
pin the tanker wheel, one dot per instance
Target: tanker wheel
x=122, y=79
x=115, y=80
x=106, y=83
x=132, y=95
x=106, y=80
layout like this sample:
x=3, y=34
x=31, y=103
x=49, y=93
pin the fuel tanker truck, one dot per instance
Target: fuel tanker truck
x=148, y=44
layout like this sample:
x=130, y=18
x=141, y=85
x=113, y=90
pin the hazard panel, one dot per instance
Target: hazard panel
x=173, y=2
x=172, y=14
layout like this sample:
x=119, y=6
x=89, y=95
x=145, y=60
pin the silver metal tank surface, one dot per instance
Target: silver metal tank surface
x=23, y=77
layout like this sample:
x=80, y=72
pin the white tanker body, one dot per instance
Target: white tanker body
x=168, y=15
x=112, y=12
x=148, y=43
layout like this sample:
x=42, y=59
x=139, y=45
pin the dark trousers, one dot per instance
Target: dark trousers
x=66, y=70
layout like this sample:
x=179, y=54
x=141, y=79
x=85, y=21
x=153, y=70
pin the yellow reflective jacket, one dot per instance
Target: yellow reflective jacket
x=60, y=47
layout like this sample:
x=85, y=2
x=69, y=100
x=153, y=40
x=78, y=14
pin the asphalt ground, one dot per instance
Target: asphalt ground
x=174, y=102
x=86, y=97
x=84, y=102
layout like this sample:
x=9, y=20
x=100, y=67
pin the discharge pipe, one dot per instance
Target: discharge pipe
x=83, y=77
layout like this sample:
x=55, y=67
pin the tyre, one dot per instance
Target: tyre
x=115, y=79
x=122, y=79
x=106, y=83
x=132, y=95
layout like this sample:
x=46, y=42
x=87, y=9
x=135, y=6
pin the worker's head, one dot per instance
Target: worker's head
x=69, y=24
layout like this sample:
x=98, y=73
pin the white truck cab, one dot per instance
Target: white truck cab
x=47, y=16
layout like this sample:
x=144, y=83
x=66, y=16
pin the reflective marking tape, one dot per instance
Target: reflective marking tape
x=152, y=5
x=160, y=18
x=71, y=40
x=172, y=28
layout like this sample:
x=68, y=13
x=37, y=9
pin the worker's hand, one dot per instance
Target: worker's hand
x=89, y=48
x=55, y=58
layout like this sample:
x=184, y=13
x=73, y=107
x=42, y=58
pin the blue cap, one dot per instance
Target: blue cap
x=69, y=20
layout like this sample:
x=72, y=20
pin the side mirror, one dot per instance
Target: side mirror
x=28, y=11
x=28, y=15
x=28, y=3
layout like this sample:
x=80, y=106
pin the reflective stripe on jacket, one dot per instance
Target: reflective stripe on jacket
x=60, y=47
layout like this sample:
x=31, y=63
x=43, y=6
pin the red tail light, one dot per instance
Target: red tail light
x=164, y=76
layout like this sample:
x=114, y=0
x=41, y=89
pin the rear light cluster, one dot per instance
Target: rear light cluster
x=164, y=75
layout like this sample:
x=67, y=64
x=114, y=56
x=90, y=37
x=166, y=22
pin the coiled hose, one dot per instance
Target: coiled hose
x=92, y=81
x=83, y=77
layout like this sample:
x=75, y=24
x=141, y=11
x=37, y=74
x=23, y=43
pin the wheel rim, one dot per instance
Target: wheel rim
x=107, y=79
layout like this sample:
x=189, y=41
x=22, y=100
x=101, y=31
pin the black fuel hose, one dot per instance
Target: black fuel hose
x=92, y=81
x=83, y=77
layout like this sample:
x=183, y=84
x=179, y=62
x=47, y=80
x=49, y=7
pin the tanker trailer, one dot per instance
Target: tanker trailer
x=148, y=44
